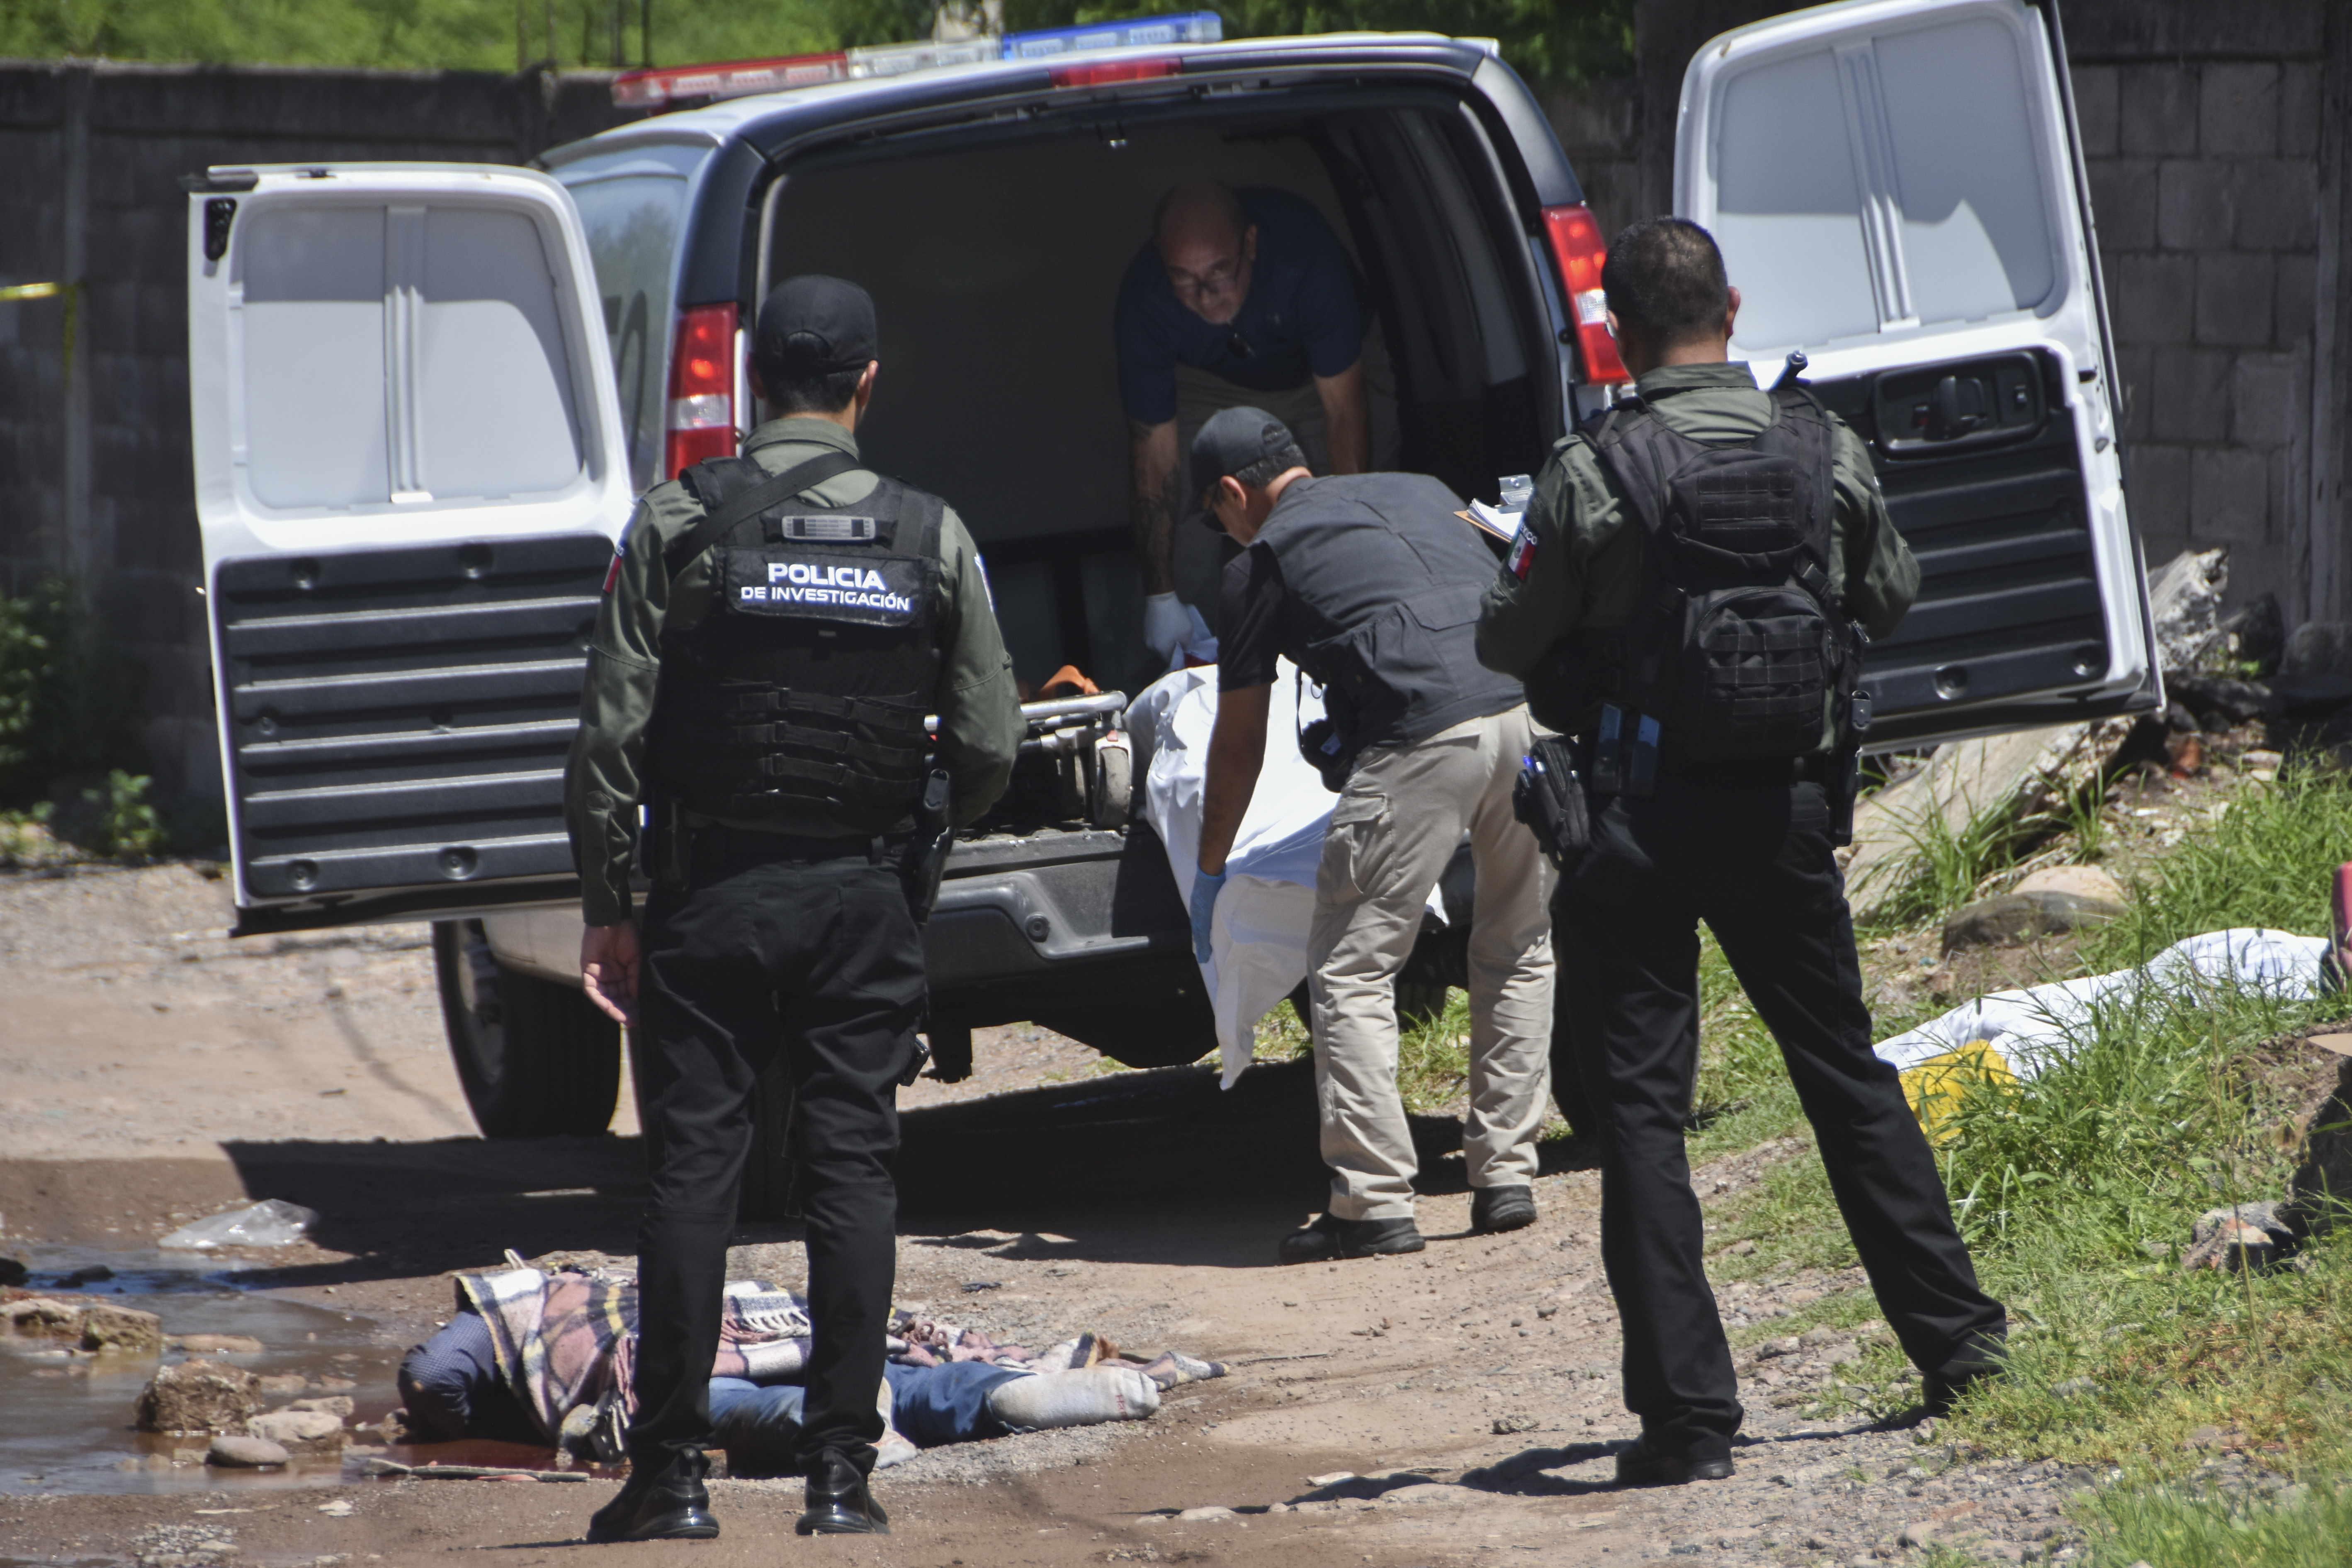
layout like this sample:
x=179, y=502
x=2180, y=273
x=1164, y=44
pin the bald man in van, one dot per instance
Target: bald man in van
x=1241, y=297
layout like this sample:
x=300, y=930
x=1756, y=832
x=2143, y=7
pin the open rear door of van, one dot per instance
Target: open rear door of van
x=1898, y=192
x=410, y=477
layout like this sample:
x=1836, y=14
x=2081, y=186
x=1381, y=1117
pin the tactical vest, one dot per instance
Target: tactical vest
x=805, y=689
x=1384, y=584
x=1735, y=644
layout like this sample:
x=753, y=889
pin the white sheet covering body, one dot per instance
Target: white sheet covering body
x=2042, y=1025
x=1258, y=942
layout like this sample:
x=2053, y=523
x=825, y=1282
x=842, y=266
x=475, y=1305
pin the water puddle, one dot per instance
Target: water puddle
x=69, y=1423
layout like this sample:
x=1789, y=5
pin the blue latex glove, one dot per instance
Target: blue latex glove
x=1204, y=904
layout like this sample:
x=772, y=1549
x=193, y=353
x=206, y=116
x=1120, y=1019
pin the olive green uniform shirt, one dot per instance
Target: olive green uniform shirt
x=979, y=706
x=1587, y=539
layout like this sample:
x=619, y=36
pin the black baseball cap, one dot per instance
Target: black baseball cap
x=1231, y=441
x=815, y=323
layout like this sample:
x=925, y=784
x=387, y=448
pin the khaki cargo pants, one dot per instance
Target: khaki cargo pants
x=1395, y=826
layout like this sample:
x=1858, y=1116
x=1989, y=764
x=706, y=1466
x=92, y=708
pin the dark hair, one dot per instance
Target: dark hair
x=1664, y=280
x=809, y=390
x=1271, y=467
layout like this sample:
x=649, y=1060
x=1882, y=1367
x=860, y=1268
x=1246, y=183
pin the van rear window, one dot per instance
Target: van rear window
x=474, y=402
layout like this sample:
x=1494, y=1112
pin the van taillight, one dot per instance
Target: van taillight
x=1576, y=245
x=701, y=389
x=1103, y=73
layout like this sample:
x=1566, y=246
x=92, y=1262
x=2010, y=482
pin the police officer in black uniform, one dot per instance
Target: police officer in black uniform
x=775, y=628
x=1687, y=596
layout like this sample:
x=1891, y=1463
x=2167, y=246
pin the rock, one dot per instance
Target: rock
x=38, y=1317
x=338, y=1406
x=81, y=1277
x=2203, y=1437
x=1515, y=1422
x=125, y=1331
x=2054, y=898
x=1918, y=1532
x=199, y=1396
x=2074, y=1388
x=1203, y=1515
x=223, y=1344
x=301, y=1431
x=2089, y=882
x=2250, y=1235
x=244, y=1452
x=282, y=1383
x=1991, y=780
x=13, y=1271
x=1814, y=1339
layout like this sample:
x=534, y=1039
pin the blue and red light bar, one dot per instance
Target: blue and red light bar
x=661, y=87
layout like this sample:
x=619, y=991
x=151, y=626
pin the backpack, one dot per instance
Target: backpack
x=1737, y=643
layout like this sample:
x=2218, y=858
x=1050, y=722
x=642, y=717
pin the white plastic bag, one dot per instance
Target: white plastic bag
x=272, y=1222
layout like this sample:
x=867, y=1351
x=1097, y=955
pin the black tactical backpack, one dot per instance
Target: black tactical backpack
x=1735, y=644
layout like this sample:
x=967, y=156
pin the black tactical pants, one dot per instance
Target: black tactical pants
x=1742, y=847
x=814, y=954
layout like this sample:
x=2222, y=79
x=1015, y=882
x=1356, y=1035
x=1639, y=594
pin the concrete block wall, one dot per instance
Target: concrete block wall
x=2205, y=178
x=94, y=444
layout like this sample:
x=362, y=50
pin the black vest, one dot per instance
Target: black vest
x=1734, y=644
x=805, y=689
x=1383, y=585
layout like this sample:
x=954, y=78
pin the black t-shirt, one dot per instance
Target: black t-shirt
x=1254, y=622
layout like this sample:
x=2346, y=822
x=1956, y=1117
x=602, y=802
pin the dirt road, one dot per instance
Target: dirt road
x=153, y=1070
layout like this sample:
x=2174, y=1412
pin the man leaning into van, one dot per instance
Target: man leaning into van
x=1239, y=297
x=775, y=630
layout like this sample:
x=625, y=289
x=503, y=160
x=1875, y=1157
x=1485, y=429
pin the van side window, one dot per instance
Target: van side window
x=632, y=222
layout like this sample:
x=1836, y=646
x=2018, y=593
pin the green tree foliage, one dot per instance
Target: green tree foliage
x=1547, y=40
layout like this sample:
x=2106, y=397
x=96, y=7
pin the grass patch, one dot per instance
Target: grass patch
x=2307, y=1526
x=2077, y=1191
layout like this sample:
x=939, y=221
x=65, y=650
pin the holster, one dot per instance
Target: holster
x=668, y=843
x=926, y=859
x=1550, y=798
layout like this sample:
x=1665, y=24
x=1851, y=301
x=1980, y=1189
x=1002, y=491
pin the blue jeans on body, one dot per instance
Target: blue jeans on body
x=760, y=1426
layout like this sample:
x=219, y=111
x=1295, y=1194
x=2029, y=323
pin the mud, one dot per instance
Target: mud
x=1470, y=1390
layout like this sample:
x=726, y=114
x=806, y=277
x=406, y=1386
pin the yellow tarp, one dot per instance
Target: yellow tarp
x=1935, y=1087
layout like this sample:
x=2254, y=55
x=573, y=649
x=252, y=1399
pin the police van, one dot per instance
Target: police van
x=424, y=398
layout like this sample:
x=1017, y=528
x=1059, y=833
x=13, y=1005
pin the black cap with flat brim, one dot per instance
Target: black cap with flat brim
x=815, y=324
x=1232, y=441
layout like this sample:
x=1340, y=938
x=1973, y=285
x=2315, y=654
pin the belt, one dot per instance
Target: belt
x=739, y=844
x=1819, y=767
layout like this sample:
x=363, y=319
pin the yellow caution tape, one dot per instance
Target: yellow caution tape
x=1935, y=1087
x=32, y=291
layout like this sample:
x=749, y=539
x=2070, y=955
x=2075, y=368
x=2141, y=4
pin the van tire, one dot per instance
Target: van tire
x=536, y=1058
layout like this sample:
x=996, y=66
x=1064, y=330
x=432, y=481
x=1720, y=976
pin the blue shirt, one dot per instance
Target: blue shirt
x=1304, y=316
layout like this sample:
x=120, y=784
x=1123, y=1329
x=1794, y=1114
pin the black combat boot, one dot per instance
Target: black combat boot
x=1649, y=1463
x=660, y=1502
x=839, y=1502
x=1328, y=1239
x=1494, y=1209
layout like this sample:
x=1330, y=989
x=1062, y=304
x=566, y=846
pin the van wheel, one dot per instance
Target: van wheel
x=537, y=1059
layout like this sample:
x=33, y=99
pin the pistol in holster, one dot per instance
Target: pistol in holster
x=668, y=847
x=1845, y=776
x=926, y=859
